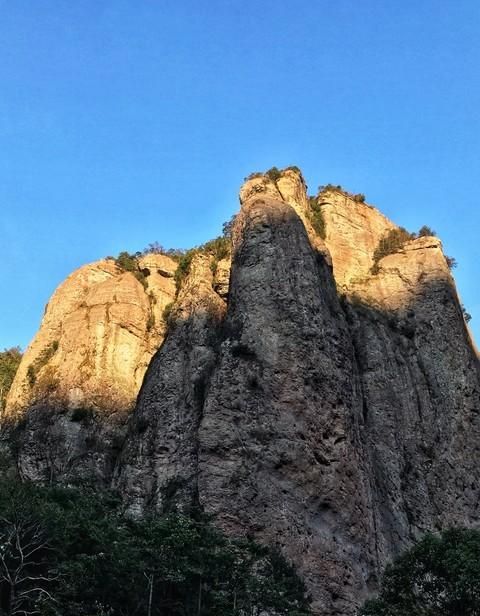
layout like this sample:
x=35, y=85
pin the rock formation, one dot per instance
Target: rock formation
x=309, y=396
x=80, y=376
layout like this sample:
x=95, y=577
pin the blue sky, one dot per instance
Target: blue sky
x=124, y=122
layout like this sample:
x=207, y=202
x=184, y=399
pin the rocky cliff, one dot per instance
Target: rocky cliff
x=306, y=393
x=80, y=376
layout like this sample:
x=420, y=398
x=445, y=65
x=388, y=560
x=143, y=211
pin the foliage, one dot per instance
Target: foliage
x=391, y=242
x=330, y=188
x=451, y=262
x=358, y=197
x=183, y=267
x=439, y=576
x=9, y=362
x=129, y=263
x=157, y=249
x=167, y=312
x=219, y=248
x=150, y=322
x=44, y=357
x=316, y=217
x=466, y=315
x=273, y=174
x=87, y=558
x=294, y=168
x=252, y=176
x=227, y=227
x=426, y=231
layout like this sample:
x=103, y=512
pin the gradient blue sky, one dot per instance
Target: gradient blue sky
x=125, y=122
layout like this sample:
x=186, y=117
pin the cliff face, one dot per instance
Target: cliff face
x=297, y=397
x=81, y=374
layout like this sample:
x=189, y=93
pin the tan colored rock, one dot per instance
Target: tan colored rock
x=353, y=231
x=222, y=278
x=403, y=275
x=99, y=332
x=290, y=188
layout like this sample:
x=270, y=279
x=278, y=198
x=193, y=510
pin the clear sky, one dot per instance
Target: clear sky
x=125, y=122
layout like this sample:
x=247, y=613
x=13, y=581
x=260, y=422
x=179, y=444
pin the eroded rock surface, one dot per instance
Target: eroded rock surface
x=300, y=395
x=158, y=466
x=80, y=376
x=279, y=453
x=339, y=421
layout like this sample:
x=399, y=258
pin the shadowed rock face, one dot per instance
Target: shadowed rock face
x=297, y=397
x=279, y=455
x=158, y=466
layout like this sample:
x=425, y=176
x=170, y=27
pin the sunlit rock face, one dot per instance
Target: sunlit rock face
x=299, y=392
x=353, y=231
x=86, y=364
x=99, y=331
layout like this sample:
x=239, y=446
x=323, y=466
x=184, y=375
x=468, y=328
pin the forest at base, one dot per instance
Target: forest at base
x=73, y=552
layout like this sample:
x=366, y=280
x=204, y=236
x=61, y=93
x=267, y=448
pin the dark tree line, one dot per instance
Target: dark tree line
x=439, y=576
x=72, y=552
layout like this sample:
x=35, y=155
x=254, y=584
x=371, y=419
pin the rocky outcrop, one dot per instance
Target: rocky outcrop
x=335, y=409
x=99, y=332
x=352, y=232
x=421, y=397
x=80, y=376
x=158, y=466
x=299, y=395
x=279, y=449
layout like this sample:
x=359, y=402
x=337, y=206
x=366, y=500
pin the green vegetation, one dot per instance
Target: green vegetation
x=439, y=576
x=150, y=322
x=426, y=231
x=184, y=267
x=44, y=357
x=227, y=227
x=451, y=262
x=394, y=240
x=273, y=174
x=219, y=248
x=391, y=242
x=86, y=558
x=315, y=215
x=252, y=176
x=9, y=362
x=157, y=249
x=129, y=263
x=466, y=315
x=294, y=168
x=358, y=197
x=167, y=312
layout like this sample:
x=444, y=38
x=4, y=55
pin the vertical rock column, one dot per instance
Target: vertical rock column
x=279, y=456
x=158, y=465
